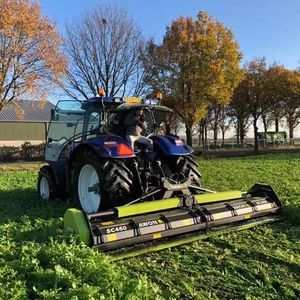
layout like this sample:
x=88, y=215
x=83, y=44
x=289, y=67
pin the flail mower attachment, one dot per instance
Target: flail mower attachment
x=165, y=223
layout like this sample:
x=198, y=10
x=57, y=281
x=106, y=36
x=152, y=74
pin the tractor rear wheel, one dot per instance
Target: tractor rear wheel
x=99, y=183
x=47, y=189
x=183, y=167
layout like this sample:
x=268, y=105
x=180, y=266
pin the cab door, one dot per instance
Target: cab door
x=66, y=125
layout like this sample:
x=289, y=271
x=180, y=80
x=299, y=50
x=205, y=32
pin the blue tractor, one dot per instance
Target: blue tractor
x=132, y=184
x=92, y=162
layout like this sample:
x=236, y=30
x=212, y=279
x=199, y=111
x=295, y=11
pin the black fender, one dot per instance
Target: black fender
x=59, y=170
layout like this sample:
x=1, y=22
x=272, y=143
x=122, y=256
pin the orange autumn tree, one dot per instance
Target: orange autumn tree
x=197, y=65
x=30, y=56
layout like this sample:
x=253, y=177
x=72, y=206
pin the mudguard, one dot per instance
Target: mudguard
x=108, y=146
x=59, y=171
x=168, y=145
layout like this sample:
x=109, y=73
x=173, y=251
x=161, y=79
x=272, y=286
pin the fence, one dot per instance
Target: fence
x=232, y=144
x=36, y=152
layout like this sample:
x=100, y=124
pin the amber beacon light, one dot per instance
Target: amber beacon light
x=159, y=96
x=101, y=92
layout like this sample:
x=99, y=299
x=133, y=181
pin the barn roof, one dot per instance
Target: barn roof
x=27, y=111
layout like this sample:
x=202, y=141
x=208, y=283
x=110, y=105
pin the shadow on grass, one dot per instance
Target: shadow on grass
x=291, y=213
x=23, y=217
x=18, y=203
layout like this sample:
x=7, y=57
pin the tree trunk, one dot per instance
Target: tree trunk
x=238, y=132
x=291, y=131
x=201, y=135
x=188, y=132
x=242, y=134
x=205, y=135
x=215, y=136
x=291, y=128
x=223, y=138
x=276, y=124
x=265, y=124
x=255, y=135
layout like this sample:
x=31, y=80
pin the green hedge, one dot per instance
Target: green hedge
x=26, y=151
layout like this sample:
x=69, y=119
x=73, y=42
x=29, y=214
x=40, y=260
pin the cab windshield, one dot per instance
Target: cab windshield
x=156, y=120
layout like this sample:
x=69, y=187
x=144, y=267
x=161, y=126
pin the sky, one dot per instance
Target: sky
x=268, y=28
x=263, y=28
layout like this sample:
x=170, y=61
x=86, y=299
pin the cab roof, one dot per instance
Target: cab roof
x=124, y=104
x=129, y=106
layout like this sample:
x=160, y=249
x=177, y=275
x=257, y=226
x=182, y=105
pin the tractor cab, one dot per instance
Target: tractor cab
x=74, y=122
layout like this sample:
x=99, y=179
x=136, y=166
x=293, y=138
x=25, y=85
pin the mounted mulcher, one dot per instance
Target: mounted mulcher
x=174, y=221
x=147, y=194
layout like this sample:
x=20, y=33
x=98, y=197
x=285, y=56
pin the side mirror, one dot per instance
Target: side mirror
x=54, y=114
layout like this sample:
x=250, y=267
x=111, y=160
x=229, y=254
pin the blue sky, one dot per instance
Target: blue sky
x=267, y=28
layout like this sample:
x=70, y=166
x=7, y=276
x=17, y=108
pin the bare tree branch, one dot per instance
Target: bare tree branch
x=103, y=49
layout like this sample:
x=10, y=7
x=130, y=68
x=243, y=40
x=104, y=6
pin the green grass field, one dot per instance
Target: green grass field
x=39, y=261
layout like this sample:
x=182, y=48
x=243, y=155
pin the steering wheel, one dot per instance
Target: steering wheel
x=153, y=127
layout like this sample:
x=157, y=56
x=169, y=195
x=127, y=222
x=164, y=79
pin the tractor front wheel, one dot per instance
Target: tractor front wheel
x=47, y=189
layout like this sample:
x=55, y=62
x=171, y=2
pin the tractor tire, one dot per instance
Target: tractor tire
x=184, y=167
x=99, y=183
x=46, y=186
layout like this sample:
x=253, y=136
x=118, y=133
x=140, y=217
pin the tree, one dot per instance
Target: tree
x=104, y=50
x=239, y=114
x=251, y=91
x=214, y=118
x=202, y=130
x=282, y=92
x=276, y=92
x=197, y=63
x=30, y=56
x=225, y=121
x=292, y=100
x=217, y=119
